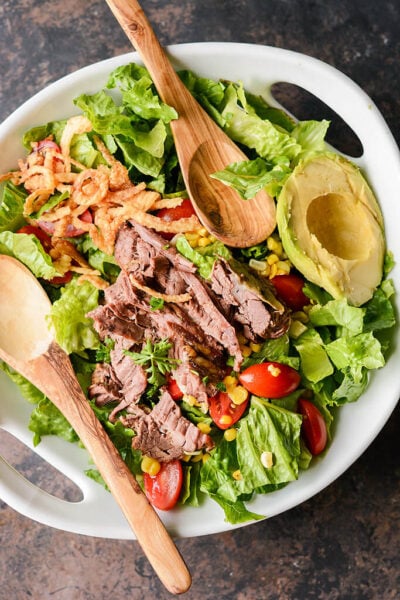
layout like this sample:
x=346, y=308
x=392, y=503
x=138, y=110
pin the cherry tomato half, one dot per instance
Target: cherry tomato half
x=290, y=290
x=183, y=211
x=313, y=426
x=62, y=279
x=270, y=379
x=163, y=489
x=174, y=389
x=43, y=238
x=223, y=411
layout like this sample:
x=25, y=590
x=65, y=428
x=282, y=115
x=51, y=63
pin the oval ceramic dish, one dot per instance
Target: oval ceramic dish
x=259, y=67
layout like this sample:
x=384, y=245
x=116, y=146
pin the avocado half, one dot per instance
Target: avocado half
x=331, y=227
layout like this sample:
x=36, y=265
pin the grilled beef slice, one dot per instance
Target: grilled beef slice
x=249, y=303
x=164, y=433
x=199, y=328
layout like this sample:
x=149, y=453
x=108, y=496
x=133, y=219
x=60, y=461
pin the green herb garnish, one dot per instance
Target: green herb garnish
x=154, y=358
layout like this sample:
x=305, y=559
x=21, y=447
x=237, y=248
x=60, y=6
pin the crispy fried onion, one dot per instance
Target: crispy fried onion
x=105, y=193
x=167, y=297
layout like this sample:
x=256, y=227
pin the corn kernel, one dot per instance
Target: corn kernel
x=203, y=242
x=149, y=465
x=205, y=457
x=194, y=243
x=266, y=271
x=237, y=475
x=238, y=395
x=203, y=232
x=230, y=381
x=255, y=347
x=189, y=399
x=246, y=351
x=272, y=259
x=226, y=420
x=267, y=459
x=192, y=235
x=197, y=457
x=230, y=434
x=204, y=427
x=273, y=370
x=283, y=267
x=274, y=245
x=241, y=338
x=273, y=271
x=186, y=457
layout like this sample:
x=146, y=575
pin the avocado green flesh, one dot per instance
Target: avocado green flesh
x=332, y=228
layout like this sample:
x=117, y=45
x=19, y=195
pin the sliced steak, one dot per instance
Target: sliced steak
x=250, y=304
x=131, y=375
x=105, y=386
x=164, y=433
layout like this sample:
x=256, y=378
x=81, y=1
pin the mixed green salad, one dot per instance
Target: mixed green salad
x=332, y=342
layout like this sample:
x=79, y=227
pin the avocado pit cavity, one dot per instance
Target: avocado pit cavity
x=336, y=221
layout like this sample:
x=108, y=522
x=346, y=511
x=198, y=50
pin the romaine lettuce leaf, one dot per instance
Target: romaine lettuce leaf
x=249, y=177
x=260, y=135
x=11, y=207
x=314, y=362
x=46, y=419
x=268, y=428
x=338, y=313
x=27, y=248
x=73, y=329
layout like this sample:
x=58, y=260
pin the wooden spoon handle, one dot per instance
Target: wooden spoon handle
x=135, y=24
x=59, y=383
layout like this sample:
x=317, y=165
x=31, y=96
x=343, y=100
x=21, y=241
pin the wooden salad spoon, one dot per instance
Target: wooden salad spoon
x=28, y=346
x=202, y=147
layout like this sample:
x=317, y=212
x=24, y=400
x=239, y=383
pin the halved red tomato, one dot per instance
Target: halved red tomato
x=290, y=290
x=163, y=489
x=174, y=389
x=62, y=279
x=223, y=411
x=313, y=427
x=270, y=379
x=183, y=211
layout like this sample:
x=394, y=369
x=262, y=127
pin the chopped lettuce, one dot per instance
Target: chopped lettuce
x=11, y=207
x=251, y=176
x=73, y=329
x=27, y=248
x=202, y=258
x=314, y=361
x=46, y=419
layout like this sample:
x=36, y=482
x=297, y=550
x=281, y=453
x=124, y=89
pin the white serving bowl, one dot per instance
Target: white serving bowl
x=258, y=67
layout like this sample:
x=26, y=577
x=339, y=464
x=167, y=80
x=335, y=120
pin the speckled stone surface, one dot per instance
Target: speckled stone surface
x=344, y=543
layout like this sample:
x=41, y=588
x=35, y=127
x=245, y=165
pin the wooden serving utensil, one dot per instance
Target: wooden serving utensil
x=202, y=147
x=28, y=346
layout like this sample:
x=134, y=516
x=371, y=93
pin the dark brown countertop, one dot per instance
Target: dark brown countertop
x=342, y=544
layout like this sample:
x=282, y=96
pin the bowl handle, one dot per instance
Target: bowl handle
x=349, y=101
x=80, y=517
